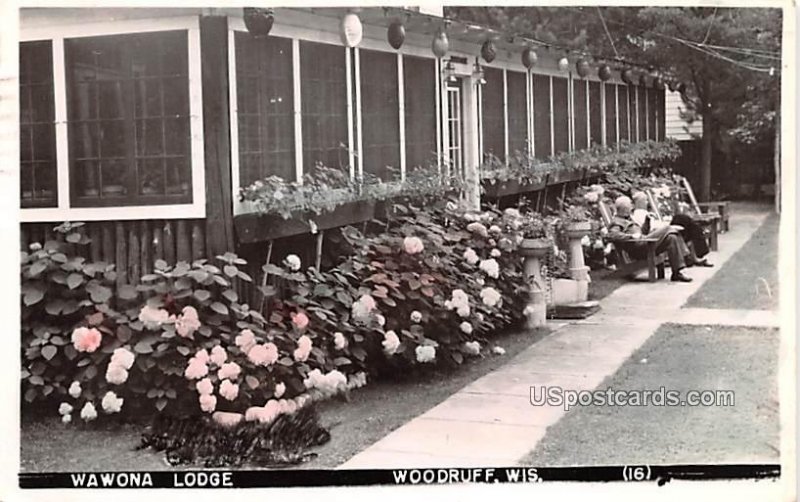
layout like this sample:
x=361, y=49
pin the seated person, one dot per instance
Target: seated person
x=623, y=229
x=689, y=230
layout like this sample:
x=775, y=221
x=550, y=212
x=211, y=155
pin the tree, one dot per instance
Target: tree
x=723, y=55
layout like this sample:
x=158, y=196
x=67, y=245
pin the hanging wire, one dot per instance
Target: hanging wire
x=710, y=25
x=602, y=20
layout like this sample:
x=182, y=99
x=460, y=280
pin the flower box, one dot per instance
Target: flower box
x=510, y=187
x=257, y=227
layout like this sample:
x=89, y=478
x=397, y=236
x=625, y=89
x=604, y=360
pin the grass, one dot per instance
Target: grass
x=680, y=357
x=749, y=279
x=372, y=412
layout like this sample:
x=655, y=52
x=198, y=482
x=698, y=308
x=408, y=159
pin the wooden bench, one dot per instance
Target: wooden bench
x=628, y=266
x=712, y=241
x=719, y=209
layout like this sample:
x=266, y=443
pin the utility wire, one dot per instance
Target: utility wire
x=602, y=20
x=710, y=25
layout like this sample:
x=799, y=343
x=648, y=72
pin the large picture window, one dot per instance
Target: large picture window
x=128, y=119
x=517, y=112
x=580, y=113
x=323, y=89
x=560, y=117
x=541, y=116
x=624, y=114
x=419, y=86
x=595, y=114
x=611, y=113
x=38, y=186
x=492, y=114
x=380, y=114
x=265, y=107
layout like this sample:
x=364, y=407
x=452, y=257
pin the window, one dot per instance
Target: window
x=560, y=118
x=265, y=107
x=517, y=112
x=624, y=114
x=419, y=86
x=128, y=119
x=642, y=112
x=541, y=116
x=611, y=114
x=493, y=118
x=580, y=114
x=380, y=114
x=38, y=187
x=652, y=106
x=323, y=89
x=595, y=114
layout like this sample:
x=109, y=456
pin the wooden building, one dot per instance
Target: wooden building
x=144, y=123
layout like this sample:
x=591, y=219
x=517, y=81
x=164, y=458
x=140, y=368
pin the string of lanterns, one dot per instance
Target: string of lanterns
x=259, y=21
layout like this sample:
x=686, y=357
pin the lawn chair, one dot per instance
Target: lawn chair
x=719, y=208
x=712, y=241
x=628, y=266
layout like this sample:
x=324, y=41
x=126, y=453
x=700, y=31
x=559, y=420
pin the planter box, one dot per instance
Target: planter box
x=510, y=187
x=256, y=227
x=565, y=176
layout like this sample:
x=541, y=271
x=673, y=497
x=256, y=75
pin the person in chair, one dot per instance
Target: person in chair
x=625, y=232
x=688, y=229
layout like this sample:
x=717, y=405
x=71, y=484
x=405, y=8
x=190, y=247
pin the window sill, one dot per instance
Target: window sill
x=169, y=212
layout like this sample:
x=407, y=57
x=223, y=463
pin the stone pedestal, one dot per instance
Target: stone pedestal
x=534, y=250
x=575, y=232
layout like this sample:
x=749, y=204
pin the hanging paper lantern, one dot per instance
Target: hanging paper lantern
x=488, y=51
x=563, y=64
x=352, y=30
x=643, y=80
x=529, y=58
x=258, y=21
x=440, y=44
x=582, y=67
x=627, y=76
x=396, y=34
x=604, y=72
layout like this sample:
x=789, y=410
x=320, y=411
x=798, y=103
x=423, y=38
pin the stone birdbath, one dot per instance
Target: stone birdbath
x=534, y=251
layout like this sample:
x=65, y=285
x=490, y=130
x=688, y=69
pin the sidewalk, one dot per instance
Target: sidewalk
x=491, y=421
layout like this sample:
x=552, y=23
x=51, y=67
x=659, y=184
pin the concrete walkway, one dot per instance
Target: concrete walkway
x=492, y=422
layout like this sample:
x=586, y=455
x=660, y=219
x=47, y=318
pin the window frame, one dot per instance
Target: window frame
x=64, y=210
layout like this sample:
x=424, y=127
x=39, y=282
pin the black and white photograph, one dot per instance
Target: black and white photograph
x=378, y=245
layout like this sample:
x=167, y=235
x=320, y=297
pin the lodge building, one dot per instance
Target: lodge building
x=145, y=123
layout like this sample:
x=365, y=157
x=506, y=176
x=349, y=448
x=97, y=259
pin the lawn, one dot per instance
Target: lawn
x=749, y=279
x=371, y=413
x=683, y=358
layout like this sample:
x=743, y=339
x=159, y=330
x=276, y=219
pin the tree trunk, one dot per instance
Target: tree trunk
x=705, y=156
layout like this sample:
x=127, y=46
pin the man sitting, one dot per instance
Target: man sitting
x=625, y=232
x=688, y=229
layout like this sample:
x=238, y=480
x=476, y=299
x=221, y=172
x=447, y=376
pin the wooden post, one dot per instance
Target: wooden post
x=318, y=257
x=169, y=243
x=108, y=242
x=216, y=134
x=183, y=248
x=145, y=247
x=134, y=268
x=158, y=243
x=96, y=246
x=198, y=244
x=264, y=277
x=121, y=259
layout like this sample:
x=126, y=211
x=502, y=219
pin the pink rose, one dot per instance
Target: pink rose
x=246, y=340
x=86, y=339
x=413, y=245
x=228, y=390
x=205, y=386
x=226, y=418
x=116, y=374
x=196, y=369
x=208, y=403
x=218, y=355
x=229, y=370
x=300, y=320
x=263, y=355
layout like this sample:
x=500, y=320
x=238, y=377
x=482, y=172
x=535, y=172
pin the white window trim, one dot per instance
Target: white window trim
x=506, y=132
x=616, y=105
x=552, y=114
x=529, y=101
x=63, y=211
x=603, y=128
x=647, y=113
